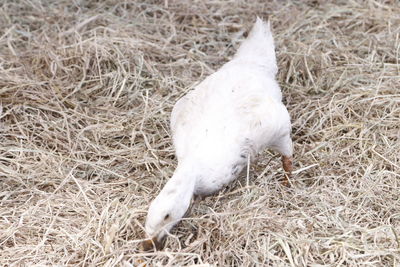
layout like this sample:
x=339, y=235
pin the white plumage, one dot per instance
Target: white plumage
x=233, y=114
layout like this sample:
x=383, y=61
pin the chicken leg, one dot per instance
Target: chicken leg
x=288, y=168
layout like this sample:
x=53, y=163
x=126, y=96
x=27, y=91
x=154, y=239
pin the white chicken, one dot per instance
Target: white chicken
x=233, y=114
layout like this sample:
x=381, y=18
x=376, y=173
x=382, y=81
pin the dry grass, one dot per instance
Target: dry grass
x=86, y=92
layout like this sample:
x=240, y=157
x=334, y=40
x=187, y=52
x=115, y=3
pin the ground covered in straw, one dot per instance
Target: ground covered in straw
x=86, y=91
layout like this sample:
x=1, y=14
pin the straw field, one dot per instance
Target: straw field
x=86, y=91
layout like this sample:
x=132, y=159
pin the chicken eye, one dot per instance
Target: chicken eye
x=166, y=217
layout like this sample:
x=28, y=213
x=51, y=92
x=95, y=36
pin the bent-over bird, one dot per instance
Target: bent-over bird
x=233, y=114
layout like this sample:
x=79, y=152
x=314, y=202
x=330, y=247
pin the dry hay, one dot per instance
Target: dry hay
x=86, y=91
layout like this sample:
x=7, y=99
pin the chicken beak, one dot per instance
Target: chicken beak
x=152, y=244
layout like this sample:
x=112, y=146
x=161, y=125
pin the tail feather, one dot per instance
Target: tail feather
x=259, y=46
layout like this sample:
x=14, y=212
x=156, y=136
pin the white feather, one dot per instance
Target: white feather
x=233, y=113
